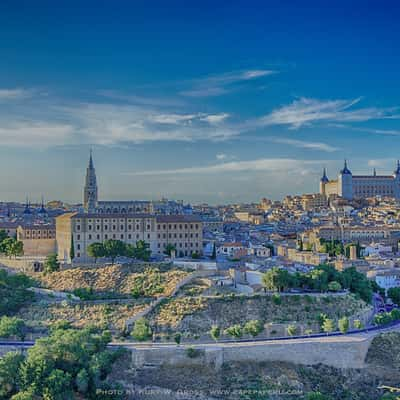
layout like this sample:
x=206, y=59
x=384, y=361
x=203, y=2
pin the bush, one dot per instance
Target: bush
x=291, y=330
x=383, y=318
x=253, y=327
x=344, y=324
x=215, y=332
x=277, y=300
x=191, y=352
x=12, y=326
x=141, y=331
x=177, y=338
x=334, y=286
x=328, y=326
x=357, y=324
x=235, y=331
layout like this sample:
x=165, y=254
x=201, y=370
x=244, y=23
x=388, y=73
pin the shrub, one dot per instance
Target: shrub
x=344, y=324
x=178, y=338
x=291, y=330
x=12, y=326
x=191, y=352
x=253, y=327
x=141, y=330
x=334, y=286
x=328, y=326
x=235, y=331
x=277, y=300
x=357, y=324
x=215, y=332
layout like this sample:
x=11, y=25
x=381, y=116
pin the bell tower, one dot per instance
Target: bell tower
x=90, y=190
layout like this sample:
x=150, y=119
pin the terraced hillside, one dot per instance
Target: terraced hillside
x=196, y=315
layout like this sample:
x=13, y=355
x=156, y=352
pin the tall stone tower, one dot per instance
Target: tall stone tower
x=396, y=177
x=90, y=190
x=345, y=183
x=322, y=183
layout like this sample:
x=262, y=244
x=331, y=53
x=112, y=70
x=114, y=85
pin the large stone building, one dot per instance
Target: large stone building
x=128, y=221
x=79, y=230
x=349, y=186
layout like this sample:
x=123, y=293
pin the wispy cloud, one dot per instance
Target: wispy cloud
x=263, y=164
x=221, y=156
x=216, y=85
x=305, y=111
x=15, y=94
x=305, y=144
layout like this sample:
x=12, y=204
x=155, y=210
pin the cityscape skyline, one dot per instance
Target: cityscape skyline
x=176, y=103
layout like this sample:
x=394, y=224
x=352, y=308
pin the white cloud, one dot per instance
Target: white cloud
x=306, y=145
x=35, y=134
x=221, y=156
x=216, y=85
x=215, y=118
x=306, y=111
x=271, y=165
x=14, y=94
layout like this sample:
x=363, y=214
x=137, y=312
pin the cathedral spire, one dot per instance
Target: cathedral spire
x=90, y=190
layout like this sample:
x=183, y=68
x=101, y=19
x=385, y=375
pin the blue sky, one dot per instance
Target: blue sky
x=201, y=101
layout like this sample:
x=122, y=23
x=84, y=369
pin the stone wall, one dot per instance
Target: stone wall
x=338, y=352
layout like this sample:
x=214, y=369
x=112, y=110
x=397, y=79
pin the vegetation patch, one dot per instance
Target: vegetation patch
x=198, y=315
x=115, y=281
x=104, y=316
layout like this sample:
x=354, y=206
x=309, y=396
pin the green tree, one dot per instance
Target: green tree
x=12, y=326
x=383, y=318
x=291, y=330
x=344, y=324
x=276, y=279
x=394, y=294
x=3, y=235
x=215, y=332
x=169, y=249
x=82, y=381
x=141, y=330
x=253, y=327
x=395, y=314
x=12, y=247
x=113, y=249
x=328, y=326
x=357, y=324
x=51, y=264
x=334, y=286
x=9, y=367
x=177, y=338
x=96, y=250
x=142, y=251
x=235, y=331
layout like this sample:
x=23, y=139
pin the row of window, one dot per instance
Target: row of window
x=130, y=227
x=113, y=236
x=164, y=245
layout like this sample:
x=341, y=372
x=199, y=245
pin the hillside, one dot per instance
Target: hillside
x=196, y=315
x=115, y=280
